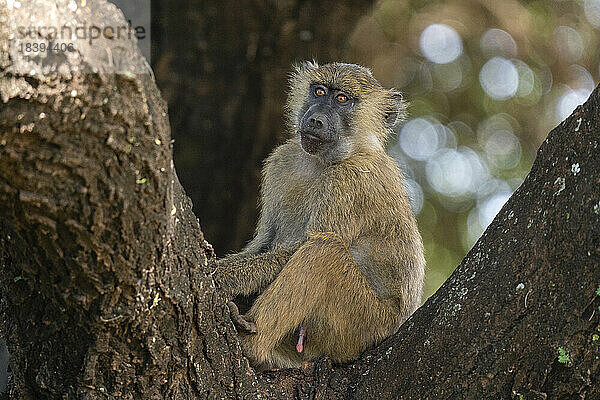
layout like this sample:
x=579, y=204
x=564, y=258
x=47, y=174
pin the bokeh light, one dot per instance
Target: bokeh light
x=488, y=208
x=415, y=194
x=496, y=42
x=440, y=44
x=485, y=85
x=503, y=150
x=449, y=173
x=526, y=79
x=447, y=77
x=499, y=78
x=568, y=43
x=580, y=78
x=419, y=139
x=592, y=12
x=568, y=101
x=492, y=197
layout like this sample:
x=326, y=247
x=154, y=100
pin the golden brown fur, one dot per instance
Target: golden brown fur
x=337, y=246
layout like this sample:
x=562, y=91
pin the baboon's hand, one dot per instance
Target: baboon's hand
x=240, y=322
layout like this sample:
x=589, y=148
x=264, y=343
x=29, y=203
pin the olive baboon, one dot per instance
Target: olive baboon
x=337, y=259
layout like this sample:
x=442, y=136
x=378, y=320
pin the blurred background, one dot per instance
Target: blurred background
x=486, y=81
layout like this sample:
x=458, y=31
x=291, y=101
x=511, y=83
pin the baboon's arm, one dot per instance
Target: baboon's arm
x=244, y=273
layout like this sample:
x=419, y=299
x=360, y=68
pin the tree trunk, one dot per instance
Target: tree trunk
x=106, y=277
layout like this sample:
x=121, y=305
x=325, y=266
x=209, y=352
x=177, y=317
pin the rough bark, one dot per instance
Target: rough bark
x=106, y=287
x=106, y=278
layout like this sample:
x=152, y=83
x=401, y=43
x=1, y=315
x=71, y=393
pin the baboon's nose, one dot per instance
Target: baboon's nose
x=317, y=122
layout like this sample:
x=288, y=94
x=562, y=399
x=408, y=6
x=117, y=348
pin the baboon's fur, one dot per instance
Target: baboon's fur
x=337, y=246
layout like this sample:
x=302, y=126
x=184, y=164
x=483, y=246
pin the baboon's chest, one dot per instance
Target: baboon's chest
x=298, y=200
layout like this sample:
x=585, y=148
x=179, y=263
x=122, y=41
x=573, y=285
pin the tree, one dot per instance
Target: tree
x=106, y=277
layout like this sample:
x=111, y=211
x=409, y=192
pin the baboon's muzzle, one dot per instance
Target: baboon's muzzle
x=314, y=132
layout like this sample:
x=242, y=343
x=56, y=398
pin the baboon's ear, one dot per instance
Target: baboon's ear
x=394, y=117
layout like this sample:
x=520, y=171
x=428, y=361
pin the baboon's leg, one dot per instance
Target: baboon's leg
x=322, y=286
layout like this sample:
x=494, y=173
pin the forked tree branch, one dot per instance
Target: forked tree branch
x=106, y=278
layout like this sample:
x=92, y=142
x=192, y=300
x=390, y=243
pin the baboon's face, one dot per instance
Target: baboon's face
x=337, y=110
x=325, y=119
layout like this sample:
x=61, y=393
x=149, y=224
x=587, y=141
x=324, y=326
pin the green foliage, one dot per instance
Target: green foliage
x=563, y=356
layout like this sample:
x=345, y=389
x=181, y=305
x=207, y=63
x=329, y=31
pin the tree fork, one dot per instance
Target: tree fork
x=106, y=287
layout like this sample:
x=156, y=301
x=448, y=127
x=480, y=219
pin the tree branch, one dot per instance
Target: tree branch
x=106, y=277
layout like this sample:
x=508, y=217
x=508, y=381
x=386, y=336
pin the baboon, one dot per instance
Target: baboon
x=337, y=258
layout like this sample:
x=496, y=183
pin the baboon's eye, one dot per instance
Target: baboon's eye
x=320, y=91
x=342, y=98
